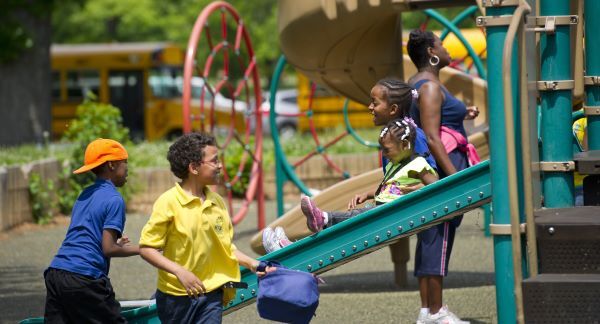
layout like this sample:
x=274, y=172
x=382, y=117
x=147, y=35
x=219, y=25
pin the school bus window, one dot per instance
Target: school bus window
x=55, y=86
x=79, y=83
x=166, y=82
x=197, y=87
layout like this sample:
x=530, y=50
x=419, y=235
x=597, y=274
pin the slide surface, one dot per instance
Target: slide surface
x=337, y=197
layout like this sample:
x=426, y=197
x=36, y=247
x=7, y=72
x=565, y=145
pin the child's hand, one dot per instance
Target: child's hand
x=411, y=188
x=123, y=240
x=193, y=286
x=267, y=271
x=357, y=200
x=472, y=112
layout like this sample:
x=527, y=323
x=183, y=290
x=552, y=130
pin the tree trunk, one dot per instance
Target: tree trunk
x=25, y=86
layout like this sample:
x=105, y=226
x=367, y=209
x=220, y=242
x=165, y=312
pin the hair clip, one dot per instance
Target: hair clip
x=403, y=124
x=410, y=121
x=415, y=94
x=406, y=133
x=383, y=132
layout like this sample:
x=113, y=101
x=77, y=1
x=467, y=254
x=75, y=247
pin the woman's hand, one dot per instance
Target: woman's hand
x=472, y=112
x=193, y=286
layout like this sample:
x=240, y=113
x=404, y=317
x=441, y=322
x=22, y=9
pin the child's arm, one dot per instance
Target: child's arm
x=361, y=198
x=428, y=177
x=251, y=263
x=193, y=286
x=245, y=260
x=112, y=246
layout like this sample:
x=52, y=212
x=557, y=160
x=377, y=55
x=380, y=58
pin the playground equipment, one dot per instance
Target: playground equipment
x=236, y=54
x=560, y=284
x=563, y=283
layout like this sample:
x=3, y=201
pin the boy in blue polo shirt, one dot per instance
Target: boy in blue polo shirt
x=77, y=286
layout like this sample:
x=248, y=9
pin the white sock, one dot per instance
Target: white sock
x=325, y=218
x=424, y=311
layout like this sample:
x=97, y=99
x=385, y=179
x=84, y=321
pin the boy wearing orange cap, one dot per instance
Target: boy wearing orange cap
x=77, y=286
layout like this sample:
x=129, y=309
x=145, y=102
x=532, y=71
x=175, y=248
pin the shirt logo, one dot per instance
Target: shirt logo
x=219, y=225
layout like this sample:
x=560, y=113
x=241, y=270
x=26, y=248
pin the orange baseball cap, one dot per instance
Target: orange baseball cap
x=100, y=151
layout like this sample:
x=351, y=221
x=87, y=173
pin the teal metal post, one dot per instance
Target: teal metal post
x=280, y=176
x=592, y=68
x=503, y=256
x=283, y=170
x=556, y=130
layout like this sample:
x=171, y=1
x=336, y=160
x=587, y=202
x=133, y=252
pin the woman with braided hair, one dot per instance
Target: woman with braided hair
x=441, y=117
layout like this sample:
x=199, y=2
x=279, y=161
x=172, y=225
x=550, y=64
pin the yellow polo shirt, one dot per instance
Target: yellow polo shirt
x=197, y=235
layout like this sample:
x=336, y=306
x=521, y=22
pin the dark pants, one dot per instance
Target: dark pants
x=336, y=217
x=74, y=298
x=207, y=309
x=434, y=245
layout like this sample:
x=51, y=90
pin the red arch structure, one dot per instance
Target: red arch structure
x=212, y=56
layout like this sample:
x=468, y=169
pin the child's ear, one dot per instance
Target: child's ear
x=394, y=109
x=192, y=168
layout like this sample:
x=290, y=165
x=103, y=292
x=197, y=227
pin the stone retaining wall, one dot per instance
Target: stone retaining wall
x=15, y=207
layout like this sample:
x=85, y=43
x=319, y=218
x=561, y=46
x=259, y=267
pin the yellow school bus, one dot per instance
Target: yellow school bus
x=144, y=80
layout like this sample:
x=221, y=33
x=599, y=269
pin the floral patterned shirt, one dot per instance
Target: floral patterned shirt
x=398, y=176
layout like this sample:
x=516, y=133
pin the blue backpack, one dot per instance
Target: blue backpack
x=287, y=295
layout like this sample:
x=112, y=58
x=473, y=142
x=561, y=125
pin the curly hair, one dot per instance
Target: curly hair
x=399, y=93
x=400, y=130
x=418, y=43
x=187, y=149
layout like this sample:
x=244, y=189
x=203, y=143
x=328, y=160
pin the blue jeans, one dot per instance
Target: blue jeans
x=183, y=309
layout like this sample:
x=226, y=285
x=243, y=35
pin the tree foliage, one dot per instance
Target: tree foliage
x=95, y=21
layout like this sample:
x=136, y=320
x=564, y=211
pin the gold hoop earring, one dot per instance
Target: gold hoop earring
x=433, y=62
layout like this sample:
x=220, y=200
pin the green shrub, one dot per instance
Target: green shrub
x=93, y=120
x=42, y=199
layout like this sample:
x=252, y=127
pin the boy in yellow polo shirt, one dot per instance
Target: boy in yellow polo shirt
x=189, y=238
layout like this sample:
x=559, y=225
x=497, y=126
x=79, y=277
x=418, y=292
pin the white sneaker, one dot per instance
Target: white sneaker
x=282, y=239
x=444, y=316
x=422, y=319
x=269, y=240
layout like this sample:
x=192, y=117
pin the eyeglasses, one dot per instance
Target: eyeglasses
x=213, y=163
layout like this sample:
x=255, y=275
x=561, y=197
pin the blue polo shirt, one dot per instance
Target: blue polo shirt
x=100, y=206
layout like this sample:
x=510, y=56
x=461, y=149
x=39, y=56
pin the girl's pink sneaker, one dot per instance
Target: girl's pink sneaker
x=314, y=216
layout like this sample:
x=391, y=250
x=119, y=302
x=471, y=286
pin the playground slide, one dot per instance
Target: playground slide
x=348, y=45
x=379, y=227
x=337, y=197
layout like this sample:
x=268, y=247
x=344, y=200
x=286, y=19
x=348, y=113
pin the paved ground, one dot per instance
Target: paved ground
x=359, y=292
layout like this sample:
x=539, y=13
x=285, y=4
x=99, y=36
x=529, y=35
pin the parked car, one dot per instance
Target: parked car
x=286, y=107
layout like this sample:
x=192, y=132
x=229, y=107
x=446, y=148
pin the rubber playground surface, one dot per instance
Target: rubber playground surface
x=362, y=291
